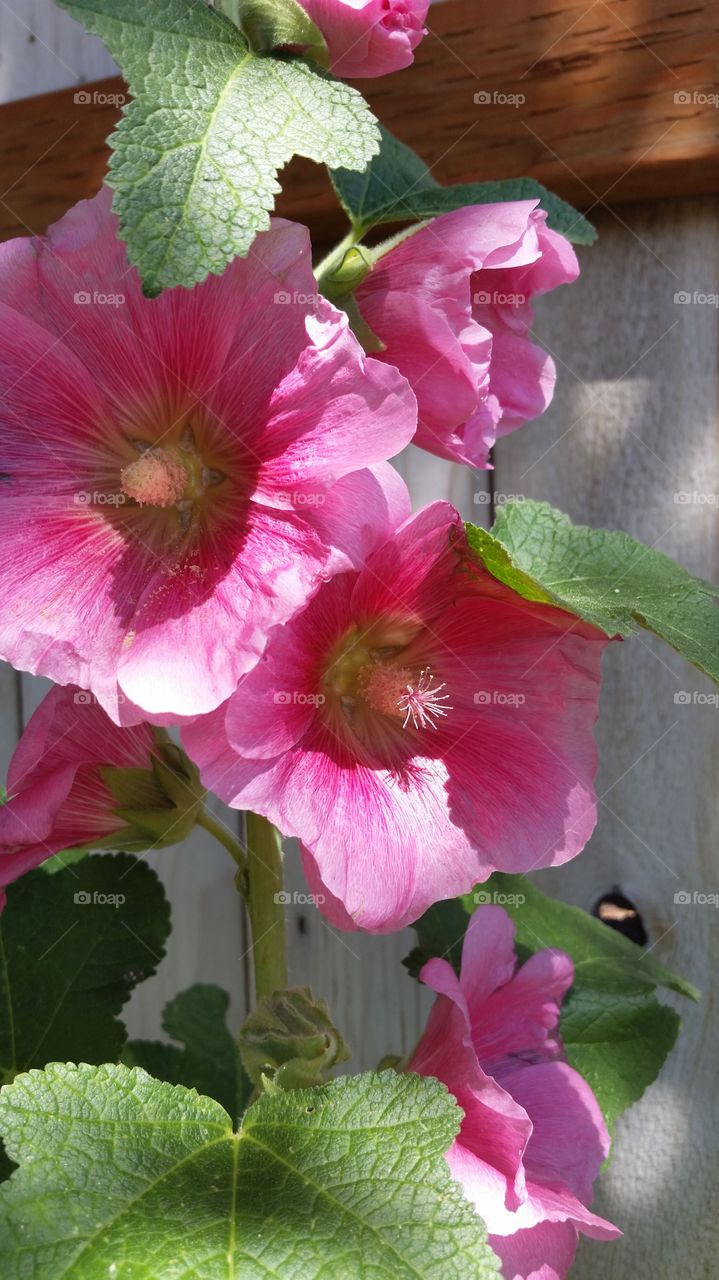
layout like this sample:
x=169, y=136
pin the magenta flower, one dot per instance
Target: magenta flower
x=452, y=303
x=369, y=38
x=533, y=1138
x=417, y=726
x=164, y=460
x=78, y=780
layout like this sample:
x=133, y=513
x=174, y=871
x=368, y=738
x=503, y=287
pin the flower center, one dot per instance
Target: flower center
x=368, y=674
x=396, y=691
x=155, y=478
x=172, y=476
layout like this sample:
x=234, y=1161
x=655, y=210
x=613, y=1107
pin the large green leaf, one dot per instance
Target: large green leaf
x=615, y=1032
x=72, y=947
x=210, y=1060
x=604, y=577
x=397, y=186
x=125, y=1177
x=197, y=152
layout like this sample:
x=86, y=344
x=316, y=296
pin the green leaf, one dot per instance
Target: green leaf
x=618, y=1041
x=398, y=187
x=278, y=24
x=126, y=1177
x=615, y=1032
x=196, y=154
x=440, y=932
x=72, y=947
x=604, y=577
x=210, y=1061
x=594, y=947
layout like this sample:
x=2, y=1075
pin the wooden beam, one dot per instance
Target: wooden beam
x=604, y=102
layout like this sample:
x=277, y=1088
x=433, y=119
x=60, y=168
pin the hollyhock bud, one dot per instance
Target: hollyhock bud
x=417, y=726
x=76, y=780
x=533, y=1138
x=452, y=305
x=164, y=460
x=369, y=38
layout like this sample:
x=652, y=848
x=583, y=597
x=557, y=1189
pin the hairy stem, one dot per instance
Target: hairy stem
x=265, y=903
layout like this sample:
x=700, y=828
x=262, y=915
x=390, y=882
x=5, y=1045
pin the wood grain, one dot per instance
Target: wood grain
x=580, y=96
x=633, y=424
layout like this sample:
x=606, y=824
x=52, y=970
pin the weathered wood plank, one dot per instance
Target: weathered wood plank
x=632, y=425
x=600, y=101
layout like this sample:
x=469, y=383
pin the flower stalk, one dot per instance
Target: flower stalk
x=265, y=904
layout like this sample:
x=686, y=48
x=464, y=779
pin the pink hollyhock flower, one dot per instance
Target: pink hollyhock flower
x=77, y=780
x=533, y=1137
x=452, y=303
x=369, y=38
x=164, y=460
x=417, y=726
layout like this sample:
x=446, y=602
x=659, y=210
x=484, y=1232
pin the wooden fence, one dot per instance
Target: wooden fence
x=618, y=114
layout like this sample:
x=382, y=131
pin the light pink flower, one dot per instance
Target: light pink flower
x=533, y=1137
x=417, y=726
x=369, y=38
x=452, y=303
x=76, y=779
x=164, y=460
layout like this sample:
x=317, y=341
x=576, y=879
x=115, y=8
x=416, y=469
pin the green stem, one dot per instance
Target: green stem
x=265, y=903
x=326, y=268
x=229, y=842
